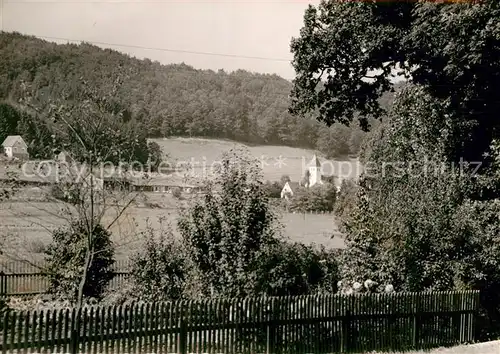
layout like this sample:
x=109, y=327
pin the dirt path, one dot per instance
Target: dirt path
x=481, y=348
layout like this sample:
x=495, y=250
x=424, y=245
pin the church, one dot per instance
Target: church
x=313, y=176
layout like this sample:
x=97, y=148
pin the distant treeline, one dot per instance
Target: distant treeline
x=163, y=100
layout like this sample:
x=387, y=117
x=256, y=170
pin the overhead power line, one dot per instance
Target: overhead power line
x=232, y=2
x=165, y=49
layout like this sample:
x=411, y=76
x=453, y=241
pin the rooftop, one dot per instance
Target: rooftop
x=11, y=140
x=314, y=162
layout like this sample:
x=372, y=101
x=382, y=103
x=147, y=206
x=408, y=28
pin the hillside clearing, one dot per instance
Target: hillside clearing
x=275, y=161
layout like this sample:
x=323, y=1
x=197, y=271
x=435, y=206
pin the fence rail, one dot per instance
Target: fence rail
x=14, y=267
x=300, y=324
x=27, y=279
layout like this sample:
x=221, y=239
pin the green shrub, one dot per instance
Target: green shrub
x=225, y=232
x=273, y=189
x=296, y=269
x=36, y=246
x=158, y=270
x=319, y=198
x=177, y=193
x=66, y=260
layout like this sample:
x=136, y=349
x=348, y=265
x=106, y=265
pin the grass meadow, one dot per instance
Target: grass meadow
x=275, y=161
x=26, y=227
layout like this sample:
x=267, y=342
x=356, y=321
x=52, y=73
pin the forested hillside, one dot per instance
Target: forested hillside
x=161, y=100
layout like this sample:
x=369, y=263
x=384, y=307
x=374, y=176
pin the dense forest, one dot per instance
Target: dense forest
x=161, y=100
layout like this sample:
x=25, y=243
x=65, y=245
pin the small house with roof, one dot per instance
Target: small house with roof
x=15, y=147
x=288, y=189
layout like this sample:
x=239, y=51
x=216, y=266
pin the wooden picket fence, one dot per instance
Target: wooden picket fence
x=22, y=279
x=293, y=324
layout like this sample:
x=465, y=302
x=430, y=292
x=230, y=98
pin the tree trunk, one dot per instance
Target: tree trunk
x=83, y=279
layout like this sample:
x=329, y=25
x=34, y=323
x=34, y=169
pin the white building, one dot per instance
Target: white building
x=314, y=168
x=288, y=188
x=314, y=177
x=15, y=147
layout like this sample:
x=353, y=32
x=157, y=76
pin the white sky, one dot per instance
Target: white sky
x=251, y=28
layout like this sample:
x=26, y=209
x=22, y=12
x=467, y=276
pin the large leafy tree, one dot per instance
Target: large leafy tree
x=347, y=52
x=417, y=222
x=413, y=223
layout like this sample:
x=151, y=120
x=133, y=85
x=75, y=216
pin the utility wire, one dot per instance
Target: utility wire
x=165, y=49
x=232, y=2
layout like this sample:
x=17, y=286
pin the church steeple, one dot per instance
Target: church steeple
x=314, y=168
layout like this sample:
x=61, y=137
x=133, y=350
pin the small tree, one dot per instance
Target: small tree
x=284, y=179
x=319, y=198
x=155, y=156
x=273, y=189
x=305, y=179
x=360, y=260
x=226, y=230
x=66, y=257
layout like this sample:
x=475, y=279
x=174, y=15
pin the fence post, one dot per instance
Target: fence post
x=5, y=325
x=183, y=306
x=346, y=321
x=416, y=320
x=3, y=284
x=75, y=332
x=473, y=326
x=183, y=337
x=270, y=330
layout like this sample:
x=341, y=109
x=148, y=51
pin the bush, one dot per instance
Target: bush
x=158, y=270
x=36, y=246
x=225, y=231
x=346, y=199
x=177, y=193
x=319, y=198
x=126, y=294
x=296, y=269
x=66, y=259
x=273, y=189
x=66, y=192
